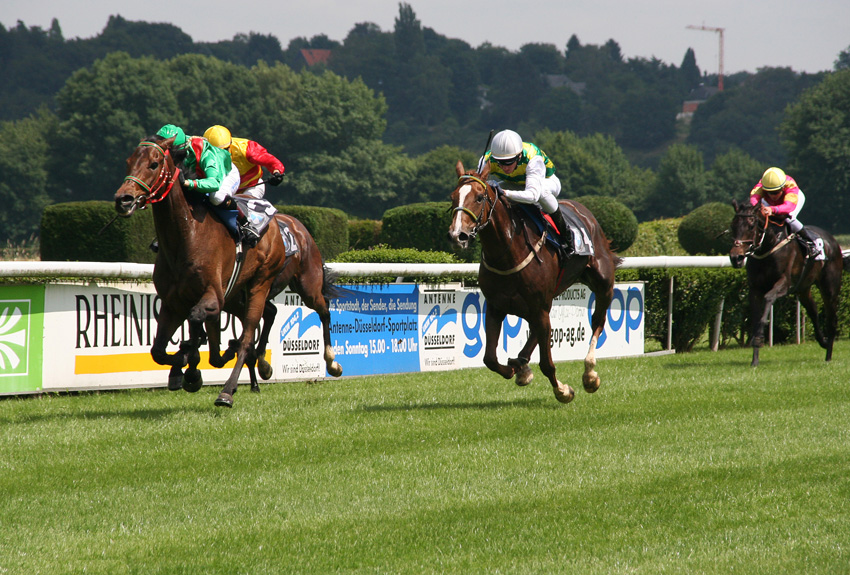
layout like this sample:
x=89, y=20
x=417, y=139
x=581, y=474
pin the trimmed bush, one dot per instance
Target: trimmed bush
x=657, y=238
x=425, y=227
x=618, y=222
x=383, y=254
x=702, y=230
x=363, y=234
x=328, y=226
x=71, y=231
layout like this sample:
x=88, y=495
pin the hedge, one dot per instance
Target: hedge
x=705, y=230
x=617, y=221
x=328, y=226
x=424, y=227
x=74, y=231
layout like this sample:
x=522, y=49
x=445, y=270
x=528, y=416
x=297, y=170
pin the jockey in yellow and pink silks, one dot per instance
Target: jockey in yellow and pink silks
x=779, y=194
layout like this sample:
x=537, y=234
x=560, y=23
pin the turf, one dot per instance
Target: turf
x=688, y=463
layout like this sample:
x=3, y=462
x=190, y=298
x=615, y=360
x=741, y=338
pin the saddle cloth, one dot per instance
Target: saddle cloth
x=581, y=236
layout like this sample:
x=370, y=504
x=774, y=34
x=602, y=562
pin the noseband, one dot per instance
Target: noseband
x=162, y=184
x=479, y=220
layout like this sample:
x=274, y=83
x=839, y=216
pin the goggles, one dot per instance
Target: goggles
x=508, y=161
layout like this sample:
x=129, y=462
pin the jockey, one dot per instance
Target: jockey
x=215, y=175
x=526, y=175
x=250, y=157
x=779, y=194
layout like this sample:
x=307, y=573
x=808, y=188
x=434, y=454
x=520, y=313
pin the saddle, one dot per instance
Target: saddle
x=258, y=212
x=582, y=245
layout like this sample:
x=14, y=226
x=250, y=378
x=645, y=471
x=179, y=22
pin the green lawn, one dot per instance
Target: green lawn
x=688, y=463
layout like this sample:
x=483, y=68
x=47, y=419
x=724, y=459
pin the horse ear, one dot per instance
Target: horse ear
x=459, y=168
x=486, y=171
x=735, y=204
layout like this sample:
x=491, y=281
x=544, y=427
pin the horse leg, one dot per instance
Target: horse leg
x=309, y=285
x=540, y=327
x=600, y=279
x=253, y=312
x=263, y=366
x=493, y=319
x=167, y=324
x=808, y=303
x=524, y=375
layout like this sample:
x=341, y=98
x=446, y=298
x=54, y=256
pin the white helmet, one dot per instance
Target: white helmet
x=506, y=145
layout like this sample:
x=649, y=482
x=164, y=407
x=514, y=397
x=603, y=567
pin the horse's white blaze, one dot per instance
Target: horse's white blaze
x=457, y=226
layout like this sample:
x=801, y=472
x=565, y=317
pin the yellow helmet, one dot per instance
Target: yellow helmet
x=773, y=179
x=218, y=136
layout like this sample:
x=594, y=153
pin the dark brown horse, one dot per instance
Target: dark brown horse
x=519, y=276
x=776, y=266
x=197, y=278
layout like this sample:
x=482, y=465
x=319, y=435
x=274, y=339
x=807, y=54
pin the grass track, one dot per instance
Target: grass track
x=692, y=463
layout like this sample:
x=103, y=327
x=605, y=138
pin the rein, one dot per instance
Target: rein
x=751, y=252
x=155, y=193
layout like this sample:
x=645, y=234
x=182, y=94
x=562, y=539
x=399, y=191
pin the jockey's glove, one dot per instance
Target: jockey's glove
x=276, y=178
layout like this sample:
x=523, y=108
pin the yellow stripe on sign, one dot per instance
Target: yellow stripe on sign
x=126, y=362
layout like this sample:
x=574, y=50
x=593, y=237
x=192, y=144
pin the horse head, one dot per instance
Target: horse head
x=151, y=173
x=473, y=201
x=743, y=231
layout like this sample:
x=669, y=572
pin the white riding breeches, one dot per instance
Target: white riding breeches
x=228, y=187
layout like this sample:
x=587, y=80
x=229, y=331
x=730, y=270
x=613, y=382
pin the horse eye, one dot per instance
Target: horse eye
x=154, y=165
x=479, y=198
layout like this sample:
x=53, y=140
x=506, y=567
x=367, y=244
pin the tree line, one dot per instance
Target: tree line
x=384, y=122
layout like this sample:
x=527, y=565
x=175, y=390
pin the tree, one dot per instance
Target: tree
x=689, y=70
x=24, y=175
x=680, y=186
x=815, y=134
x=732, y=176
x=434, y=175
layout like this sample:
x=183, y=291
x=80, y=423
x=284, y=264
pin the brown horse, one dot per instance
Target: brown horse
x=518, y=277
x=776, y=266
x=197, y=278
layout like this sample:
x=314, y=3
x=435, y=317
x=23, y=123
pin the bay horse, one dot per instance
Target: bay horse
x=196, y=276
x=776, y=266
x=517, y=277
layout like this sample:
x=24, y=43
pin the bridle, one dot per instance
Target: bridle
x=479, y=221
x=761, y=234
x=163, y=182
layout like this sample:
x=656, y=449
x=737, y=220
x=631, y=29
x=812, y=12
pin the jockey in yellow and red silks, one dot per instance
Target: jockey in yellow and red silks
x=779, y=194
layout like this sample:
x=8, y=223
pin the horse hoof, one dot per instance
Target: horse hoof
x=564, y=393
x=335, y=369
x=264, y=368
x=224, y=400
x=255, y=389
x=192, y=380
x=175, y=382
x=591, y=382
x=524, y=376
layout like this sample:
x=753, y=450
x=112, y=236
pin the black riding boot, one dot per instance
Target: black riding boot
x=250, y=235
x=808, y=241
x=565, y=236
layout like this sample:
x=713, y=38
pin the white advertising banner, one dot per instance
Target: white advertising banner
x=100, y=335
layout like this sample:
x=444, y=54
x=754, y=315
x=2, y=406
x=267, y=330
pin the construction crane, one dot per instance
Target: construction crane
x=720, y=66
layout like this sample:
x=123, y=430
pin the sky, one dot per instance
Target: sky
x=805, y=35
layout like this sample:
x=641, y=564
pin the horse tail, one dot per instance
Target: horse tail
x=329, y=288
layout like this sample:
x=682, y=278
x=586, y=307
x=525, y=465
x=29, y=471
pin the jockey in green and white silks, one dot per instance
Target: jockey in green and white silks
x=523, y=171
x=526, y=175
x=215, y=174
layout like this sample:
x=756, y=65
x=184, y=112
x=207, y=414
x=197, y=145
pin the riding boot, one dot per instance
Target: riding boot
x=250, y=235
x=809, y=242
x=154, y=247
x=564, y=235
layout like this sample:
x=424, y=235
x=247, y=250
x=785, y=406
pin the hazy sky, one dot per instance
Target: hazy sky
x=803, y=35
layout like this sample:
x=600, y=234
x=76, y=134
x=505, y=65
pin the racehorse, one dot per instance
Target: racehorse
x=197, y=277
x=776, y=266
x=517, y=277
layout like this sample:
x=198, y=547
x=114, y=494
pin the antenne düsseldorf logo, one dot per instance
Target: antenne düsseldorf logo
x=14, y=324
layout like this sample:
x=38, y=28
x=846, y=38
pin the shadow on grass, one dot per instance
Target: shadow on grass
x=537, y=402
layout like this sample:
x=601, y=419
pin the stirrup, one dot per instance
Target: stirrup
x=250, y=236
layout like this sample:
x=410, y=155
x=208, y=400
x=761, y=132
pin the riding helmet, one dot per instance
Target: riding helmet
x=506, y=145
x=172, y=131
x=773, y=179
x=218, y=136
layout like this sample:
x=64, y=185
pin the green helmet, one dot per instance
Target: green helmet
x=172, y=131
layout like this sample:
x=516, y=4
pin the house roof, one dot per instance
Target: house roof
x=317, y=56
